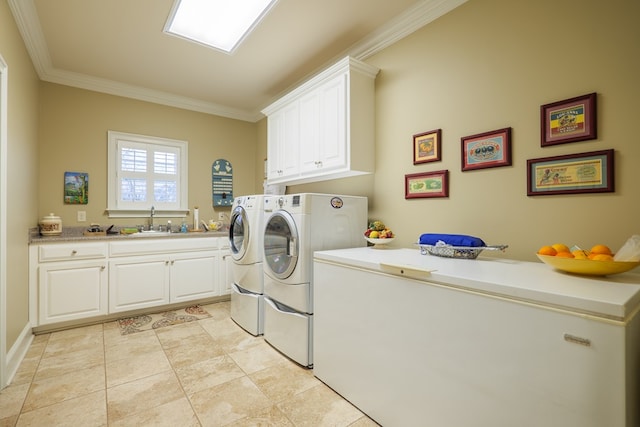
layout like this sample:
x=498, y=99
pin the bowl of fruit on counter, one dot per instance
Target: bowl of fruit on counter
x=379, y=235
x=597, y=261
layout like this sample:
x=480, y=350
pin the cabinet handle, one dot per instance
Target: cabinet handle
x=172, y=261
x=166, y=263
x=318, y=163
x=102, y=268
x=73, y=252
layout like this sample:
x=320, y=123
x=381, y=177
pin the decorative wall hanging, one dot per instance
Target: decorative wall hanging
x=427, y=147
x=486, y=150
x=590, y=172
x=76, y=188
x=426, y=184
x=570, y=120
x=222, y=183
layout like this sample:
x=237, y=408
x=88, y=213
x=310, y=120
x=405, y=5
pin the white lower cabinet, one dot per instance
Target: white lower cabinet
x=194, y=276
x=148, y=281
x=72, y=290
x=226, y=278
x=80, y=280
x=138, y=282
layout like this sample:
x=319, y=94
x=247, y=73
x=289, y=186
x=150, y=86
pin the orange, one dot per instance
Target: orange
x=547, y=250
x=602, y=257
x=565, y=254
x=580, y=254
x=560, y=247
x=601, y=249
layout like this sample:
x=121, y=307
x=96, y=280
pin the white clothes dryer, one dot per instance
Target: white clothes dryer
x=296, y=225
x=245, y=242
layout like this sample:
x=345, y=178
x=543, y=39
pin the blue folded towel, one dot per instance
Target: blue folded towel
x=451, y=239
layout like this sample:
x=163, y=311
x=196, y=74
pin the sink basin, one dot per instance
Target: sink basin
x=150, y=233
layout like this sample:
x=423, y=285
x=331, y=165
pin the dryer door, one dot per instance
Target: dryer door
x=239, y=233
x=280, y=245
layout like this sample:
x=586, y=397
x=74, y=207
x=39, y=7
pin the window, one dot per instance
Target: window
x=146, y=171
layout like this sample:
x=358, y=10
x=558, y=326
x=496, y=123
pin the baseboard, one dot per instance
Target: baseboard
x=18, y=351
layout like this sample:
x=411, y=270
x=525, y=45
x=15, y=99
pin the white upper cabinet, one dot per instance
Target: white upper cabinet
x=283, y=157
x=324, y=129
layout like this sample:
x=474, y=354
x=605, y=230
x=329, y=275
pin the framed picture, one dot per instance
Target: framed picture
x=427, y=147
x=76, y=188
x=426, y=184
x=570, y=120
x=573, y=173
x=486, y=150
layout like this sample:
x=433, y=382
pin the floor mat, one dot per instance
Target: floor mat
x=145, y=322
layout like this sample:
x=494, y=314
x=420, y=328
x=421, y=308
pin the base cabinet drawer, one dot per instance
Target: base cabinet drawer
x=72, y=251
x=70, y=291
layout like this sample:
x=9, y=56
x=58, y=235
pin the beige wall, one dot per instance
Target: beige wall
x=22, y=170
x=73, y=138
x=487, y=65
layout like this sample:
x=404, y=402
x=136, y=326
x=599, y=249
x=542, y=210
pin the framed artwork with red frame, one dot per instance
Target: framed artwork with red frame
x=570, y=120
x=486, y=150
x=426, y=184
x=427, y=147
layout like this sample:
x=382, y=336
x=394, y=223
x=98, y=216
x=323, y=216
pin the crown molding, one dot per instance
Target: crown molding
x=26, y=17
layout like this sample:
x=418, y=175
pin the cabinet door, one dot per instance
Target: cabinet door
x=332, y=146
x=194, y=276
x=138, y=282
x=72, y=290
x=310, y=132
x=284, y=136
x=226, y=277
x=323, y=127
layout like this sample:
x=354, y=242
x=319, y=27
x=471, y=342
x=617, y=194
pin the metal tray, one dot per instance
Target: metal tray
x=464, y=252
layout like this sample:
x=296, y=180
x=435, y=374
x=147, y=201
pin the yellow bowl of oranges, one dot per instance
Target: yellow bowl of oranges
x=598, y=261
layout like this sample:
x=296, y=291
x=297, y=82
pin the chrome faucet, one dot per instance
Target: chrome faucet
x=153, y=213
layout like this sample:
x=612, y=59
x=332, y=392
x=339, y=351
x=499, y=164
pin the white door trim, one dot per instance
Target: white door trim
x=3, y=222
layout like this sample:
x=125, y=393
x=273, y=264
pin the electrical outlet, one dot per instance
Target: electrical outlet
x=82, y=216
x=221, y=216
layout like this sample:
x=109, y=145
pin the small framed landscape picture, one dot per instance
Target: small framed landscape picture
x=486, y=150
x=426, y=184
x=76, y=188
x=569, y=120
x=427, y=147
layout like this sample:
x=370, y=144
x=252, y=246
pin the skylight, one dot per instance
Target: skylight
x=220, y=24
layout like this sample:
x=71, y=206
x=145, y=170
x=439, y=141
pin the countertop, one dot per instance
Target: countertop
x=615, y=297
x=75, y=234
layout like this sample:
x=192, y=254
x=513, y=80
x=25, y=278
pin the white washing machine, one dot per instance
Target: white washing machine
x=296, y=225
x=245, y=242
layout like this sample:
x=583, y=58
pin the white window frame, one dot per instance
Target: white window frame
x=117, y=209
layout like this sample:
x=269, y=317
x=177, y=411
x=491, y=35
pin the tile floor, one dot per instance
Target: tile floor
x=205, y=373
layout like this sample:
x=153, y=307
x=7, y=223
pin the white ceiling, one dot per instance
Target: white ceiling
x=118, y=47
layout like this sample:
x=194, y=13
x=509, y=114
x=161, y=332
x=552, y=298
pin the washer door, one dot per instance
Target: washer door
x=239, y=233
x=280, y=245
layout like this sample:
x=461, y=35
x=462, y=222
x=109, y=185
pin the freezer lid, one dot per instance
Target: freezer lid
x=615, y=297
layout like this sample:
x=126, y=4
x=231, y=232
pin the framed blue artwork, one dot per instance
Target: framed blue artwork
x=222, y=183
